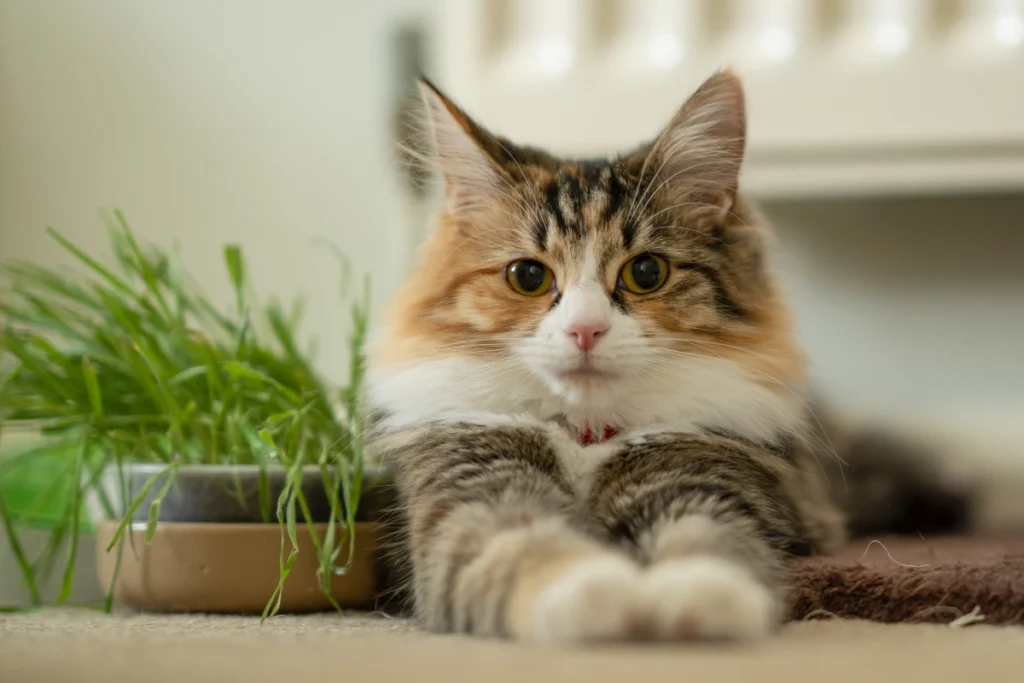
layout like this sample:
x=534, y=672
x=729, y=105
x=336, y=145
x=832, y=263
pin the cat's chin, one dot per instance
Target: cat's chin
x=586, y=374
x=586, y=378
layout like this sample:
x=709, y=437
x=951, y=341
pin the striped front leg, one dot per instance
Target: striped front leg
x=497, y=541
x=711, y=517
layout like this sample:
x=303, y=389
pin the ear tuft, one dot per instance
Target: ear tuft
x=470, y=174
x=697, y=157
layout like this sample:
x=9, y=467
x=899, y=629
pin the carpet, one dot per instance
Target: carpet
x=71, y=645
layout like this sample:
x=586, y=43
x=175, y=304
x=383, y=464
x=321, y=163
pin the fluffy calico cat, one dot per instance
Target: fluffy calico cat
x=590, y=394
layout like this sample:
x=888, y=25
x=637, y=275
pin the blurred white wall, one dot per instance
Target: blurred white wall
x=911, y=306
x=255, y=121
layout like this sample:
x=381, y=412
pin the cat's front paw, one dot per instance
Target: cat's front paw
x=597, y=599
x=708, y=598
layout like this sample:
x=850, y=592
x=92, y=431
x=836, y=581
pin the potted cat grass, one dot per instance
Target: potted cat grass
x=220, y=472
x=215, y=547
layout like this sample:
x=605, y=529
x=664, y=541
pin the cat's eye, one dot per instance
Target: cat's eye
x=529, y=277
x=643, y=274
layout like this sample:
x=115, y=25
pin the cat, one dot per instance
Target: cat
x=590, y=395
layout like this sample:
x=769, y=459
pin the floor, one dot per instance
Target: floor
x=88, y=646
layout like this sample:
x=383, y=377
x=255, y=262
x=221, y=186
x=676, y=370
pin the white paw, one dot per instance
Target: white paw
x=596, y=600
x=708, y=598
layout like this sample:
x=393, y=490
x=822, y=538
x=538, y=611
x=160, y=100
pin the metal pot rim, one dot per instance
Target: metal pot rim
x=215, y=470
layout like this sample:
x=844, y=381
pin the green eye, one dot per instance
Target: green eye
x=529, y=277
x=643, y=274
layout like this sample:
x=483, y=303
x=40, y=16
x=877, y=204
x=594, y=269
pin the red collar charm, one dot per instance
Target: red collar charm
x=587, y=436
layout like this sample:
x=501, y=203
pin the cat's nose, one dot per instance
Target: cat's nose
x=586, y=334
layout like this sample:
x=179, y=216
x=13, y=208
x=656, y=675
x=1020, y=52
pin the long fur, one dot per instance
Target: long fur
x=678, y=525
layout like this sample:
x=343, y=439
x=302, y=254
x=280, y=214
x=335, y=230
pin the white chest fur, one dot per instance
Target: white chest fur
x=702, y=394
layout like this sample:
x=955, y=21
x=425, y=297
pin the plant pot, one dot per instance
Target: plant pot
x=212, y=551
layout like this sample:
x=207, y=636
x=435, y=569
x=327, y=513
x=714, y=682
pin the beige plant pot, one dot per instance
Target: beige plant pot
x=230, y=568
x=213, y=552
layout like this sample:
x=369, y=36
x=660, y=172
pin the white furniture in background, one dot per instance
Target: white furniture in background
x=846, y=96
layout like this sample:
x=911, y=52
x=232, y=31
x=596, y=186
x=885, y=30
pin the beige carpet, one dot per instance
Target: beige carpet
x=69, y=645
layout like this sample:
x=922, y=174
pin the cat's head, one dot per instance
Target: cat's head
x=587, y=285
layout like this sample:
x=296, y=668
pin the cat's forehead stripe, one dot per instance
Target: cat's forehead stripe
x=616, y=189
x=554, y=205
x=586, y=189
x=570, y=202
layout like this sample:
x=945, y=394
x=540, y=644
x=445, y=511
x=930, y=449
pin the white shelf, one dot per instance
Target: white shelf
x=862, y=96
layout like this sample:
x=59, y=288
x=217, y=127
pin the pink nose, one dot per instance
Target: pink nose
x=586, y=335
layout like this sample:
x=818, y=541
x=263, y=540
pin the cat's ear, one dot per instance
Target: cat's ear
x=471, y=175
x=696, y=159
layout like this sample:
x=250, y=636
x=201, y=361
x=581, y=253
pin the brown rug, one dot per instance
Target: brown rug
x=898, y=579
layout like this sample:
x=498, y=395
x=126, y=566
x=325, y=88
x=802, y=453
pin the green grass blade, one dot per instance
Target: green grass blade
x=240, y=370
x=108, y=601
x=136, y=503
x=143, y=266
x=27, y=571
x=92, y=263
x=286, y=520
x=75, y=503
x=236, y=271
x=263, y=488
x=158, y=500
x=92, y=385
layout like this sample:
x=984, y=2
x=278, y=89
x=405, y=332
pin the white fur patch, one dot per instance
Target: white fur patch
x=689, y=395
x=610, y=598
x=580, y=463
x=647, y=396
x=708, y=598
x=595, y=600
x=581, y=305
x=455, y=389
